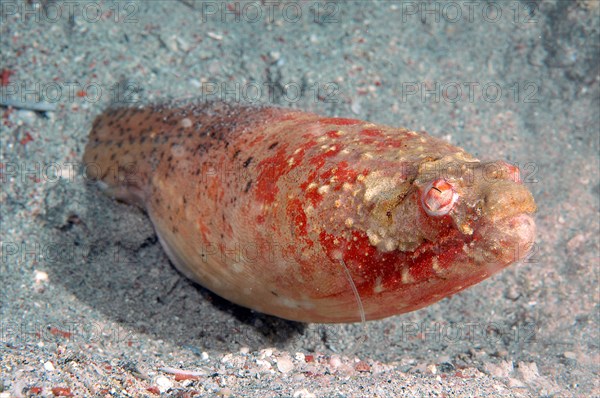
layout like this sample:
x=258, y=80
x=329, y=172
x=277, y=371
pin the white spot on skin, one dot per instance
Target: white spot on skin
x=406, y=276
x=466, y=228
x=349, y=222
x=378, y=288
x=323, y=189
x=186, y=123
x=178, y=151
x=374, y=238
x=435, y=264
x=389, y=244
x=312, y=185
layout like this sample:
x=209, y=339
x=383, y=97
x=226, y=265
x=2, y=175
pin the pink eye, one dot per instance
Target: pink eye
x=439, y=198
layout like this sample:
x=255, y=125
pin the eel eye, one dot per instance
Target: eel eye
x=439, y=198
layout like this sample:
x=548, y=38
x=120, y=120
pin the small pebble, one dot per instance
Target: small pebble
x=40, y=276
x=224, y=392
x=26, y=117
x=164, y=383
x=303, y=394
x=362, y=366
x=284, y=365
x=267, y=352
x=335, y=361
x=298, y=377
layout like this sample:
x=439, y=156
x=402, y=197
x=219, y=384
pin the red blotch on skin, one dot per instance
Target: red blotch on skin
x=271, y=170
x=342, y=173
x=275, y=167
x=319, y=160
x=204, y=231
x=358, y=255
x=372, y=133
x=333, y=134
x=299, y=156
x=339, y=121
x=390, y=143
x=256, y=140
x=366, y=264
x=380, y=140
x=296, y=214
x=314, y=196
x=289, y=116
x=311, y=178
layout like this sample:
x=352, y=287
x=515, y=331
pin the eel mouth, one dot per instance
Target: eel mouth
x=508, y=240
x=522, y=230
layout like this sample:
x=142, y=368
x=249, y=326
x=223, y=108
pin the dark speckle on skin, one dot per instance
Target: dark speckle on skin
x=247, y=162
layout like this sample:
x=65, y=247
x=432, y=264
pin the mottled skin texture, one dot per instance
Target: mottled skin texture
x=312, y=218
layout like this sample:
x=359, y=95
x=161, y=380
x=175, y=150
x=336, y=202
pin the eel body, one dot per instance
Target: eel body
x=312, y=218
